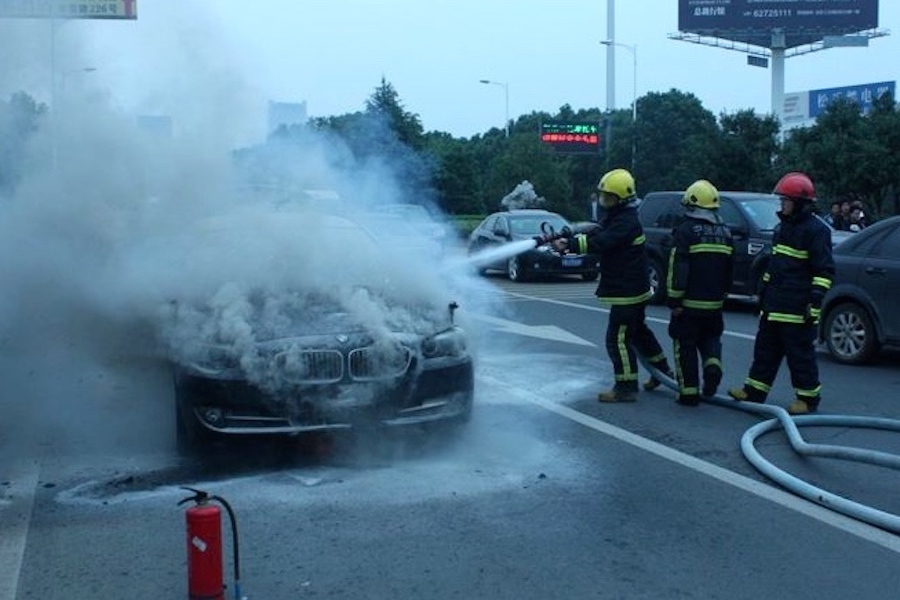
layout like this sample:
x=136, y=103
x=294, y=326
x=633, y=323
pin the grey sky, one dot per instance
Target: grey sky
x=226, y=58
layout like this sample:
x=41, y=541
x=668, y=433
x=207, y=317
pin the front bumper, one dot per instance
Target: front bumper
x=439, y=392
x=550, y=263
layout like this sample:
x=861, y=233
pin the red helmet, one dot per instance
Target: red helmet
x=797, y=186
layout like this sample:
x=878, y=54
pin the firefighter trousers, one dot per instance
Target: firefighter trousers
x=627, y=332
x=694, y=335
x=795, y=342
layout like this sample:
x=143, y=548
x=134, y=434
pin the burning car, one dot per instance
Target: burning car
x=314, y=339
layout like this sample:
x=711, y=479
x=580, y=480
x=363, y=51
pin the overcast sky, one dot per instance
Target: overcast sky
x=228, y=57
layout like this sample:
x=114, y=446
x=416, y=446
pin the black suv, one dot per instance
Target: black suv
x=751, y=216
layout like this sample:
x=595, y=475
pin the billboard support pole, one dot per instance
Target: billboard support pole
x=778, y=59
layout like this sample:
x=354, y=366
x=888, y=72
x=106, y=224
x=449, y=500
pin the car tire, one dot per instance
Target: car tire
x=514, y=269
x=657, y=281
x=850, y=334
x=590, y=276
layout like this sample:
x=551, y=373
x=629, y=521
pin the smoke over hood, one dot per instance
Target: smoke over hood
x=140, y=247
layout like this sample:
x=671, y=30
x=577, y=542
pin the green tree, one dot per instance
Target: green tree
x=20, y=118
x=744, y=151
x=831, y=152
x=676, y=139
x=385, y=103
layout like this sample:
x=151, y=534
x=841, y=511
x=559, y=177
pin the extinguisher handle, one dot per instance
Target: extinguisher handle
x=199, y=497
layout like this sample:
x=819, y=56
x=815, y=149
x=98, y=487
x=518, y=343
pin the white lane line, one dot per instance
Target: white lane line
x=14, y=525
x=743, y=336
x=766, y=492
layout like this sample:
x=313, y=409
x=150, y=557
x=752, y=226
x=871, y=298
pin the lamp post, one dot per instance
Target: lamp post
x=632, y=48
x=505, y=87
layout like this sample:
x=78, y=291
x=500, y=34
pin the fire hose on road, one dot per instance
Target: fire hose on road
x=781, y=418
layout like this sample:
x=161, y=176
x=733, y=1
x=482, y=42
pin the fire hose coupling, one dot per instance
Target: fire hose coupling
x=203, y=520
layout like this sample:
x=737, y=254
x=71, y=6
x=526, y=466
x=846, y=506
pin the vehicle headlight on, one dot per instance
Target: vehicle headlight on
x=544, y=248
x=450, y=343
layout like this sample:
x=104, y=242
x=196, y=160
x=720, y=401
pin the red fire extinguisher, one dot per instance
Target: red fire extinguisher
x=206, y=580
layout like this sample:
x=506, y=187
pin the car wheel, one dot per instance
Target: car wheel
x=657, y=282
x=591, y=276
x=850, y=334
x=514, y=270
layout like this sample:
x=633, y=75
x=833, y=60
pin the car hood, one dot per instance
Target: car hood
x=235, y=323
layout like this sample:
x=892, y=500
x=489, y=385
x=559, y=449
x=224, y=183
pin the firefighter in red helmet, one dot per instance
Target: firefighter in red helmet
x=796, y=278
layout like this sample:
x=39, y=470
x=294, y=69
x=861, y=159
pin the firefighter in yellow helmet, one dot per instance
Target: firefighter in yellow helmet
x=699, y=277
x=624, y=286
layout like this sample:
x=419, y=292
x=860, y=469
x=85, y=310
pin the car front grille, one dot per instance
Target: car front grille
x=377, y=362
x=311, y=366
x=329, y=366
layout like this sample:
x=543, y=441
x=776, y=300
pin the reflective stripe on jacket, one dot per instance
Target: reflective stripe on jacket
x=618, y=242
x=701, y=266
x=800, y=270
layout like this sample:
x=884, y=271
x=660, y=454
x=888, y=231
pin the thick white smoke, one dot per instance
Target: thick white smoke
x=131, y=248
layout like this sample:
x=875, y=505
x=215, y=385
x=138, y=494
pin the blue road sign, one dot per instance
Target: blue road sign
x=865, y=95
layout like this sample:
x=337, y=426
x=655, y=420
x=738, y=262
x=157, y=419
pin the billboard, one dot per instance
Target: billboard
x=573, y=138
x=802, y=108
x=68, y=9
x=752, y=21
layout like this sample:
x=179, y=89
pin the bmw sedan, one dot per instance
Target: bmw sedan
x=312, y=339
x=518, y=225
x=860, y=313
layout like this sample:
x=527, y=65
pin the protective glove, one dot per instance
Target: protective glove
x=811, y=315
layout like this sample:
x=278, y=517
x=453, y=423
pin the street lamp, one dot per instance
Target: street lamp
x=505, y=87
x=632, y=48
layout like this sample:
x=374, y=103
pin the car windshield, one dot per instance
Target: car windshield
x=763, y=211
x=531, y=224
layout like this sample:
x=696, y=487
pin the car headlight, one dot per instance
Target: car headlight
x=544, y=248
x=450, y=343
x=214, y=361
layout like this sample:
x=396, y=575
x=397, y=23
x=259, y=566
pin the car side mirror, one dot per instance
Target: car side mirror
x=501, y=231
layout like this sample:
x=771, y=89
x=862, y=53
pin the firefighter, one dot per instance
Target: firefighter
x=699, y=278
x=795, y=281
x=618, y=241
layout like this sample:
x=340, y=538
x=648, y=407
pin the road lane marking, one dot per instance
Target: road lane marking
x=16, y=521
x=544, y=332
x=743, y=336
x=862, y=530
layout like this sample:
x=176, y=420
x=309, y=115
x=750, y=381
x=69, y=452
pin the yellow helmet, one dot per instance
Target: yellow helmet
x=701, y=194
x=619, y=183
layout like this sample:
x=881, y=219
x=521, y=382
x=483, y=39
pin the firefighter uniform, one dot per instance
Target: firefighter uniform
x=799, y=273
x=699, y=278
x=624, y=286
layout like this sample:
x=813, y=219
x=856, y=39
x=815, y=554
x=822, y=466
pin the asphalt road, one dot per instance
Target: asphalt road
x=546, y=494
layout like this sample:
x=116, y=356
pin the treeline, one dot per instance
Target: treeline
x=674, y=141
